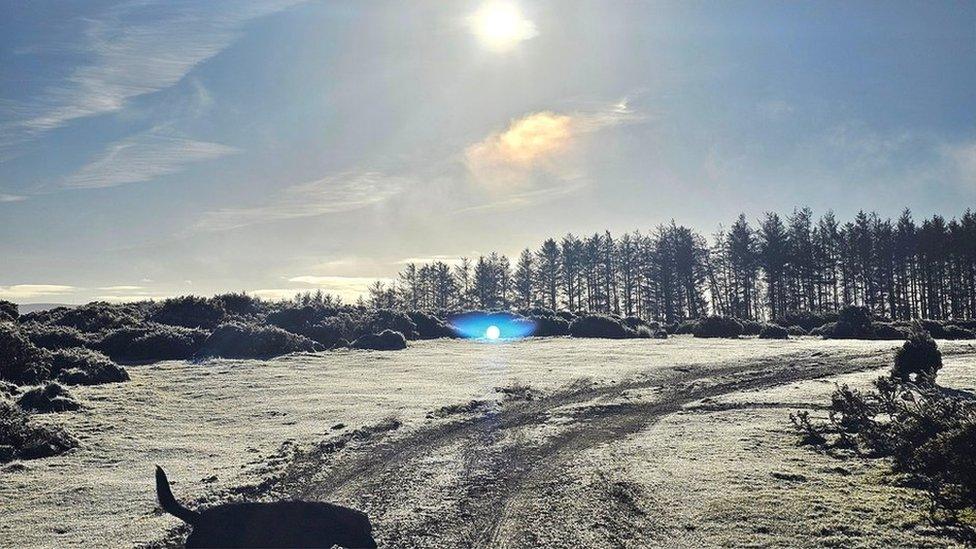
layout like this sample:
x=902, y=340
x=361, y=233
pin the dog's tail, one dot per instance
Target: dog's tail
x=169, y=503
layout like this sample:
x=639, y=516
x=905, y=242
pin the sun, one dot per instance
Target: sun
x=500, y=25
x=493, y=332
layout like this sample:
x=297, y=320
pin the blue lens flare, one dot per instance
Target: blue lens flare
x=475, y=325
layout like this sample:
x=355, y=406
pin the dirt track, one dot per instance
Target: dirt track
x=483, y=477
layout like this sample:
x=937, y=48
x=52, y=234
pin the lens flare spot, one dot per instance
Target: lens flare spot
x=492, y=332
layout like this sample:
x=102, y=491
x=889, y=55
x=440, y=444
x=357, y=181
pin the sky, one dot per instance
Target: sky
x=156, y=148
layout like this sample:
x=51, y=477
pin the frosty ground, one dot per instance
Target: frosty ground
x=556, y=442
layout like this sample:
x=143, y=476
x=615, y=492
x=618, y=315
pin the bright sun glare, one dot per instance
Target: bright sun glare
x=493, y=332
x=500, y=25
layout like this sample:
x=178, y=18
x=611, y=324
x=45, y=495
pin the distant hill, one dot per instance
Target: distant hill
x=25, y=308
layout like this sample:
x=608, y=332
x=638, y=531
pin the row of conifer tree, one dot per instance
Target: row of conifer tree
x=900, y=269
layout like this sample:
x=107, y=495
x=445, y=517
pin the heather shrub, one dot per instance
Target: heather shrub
x=774, y=331
x=568, y=316
x=239, y=340
x=387, y=340
x=80, y=366
x=918, y=360
x=21, y=438
x=717, y=326
x=48, y=398
x=599, y=326
x=20, y=360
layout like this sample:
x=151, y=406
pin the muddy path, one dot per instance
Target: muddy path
x=479, y=478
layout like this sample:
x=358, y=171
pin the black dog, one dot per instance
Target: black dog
x=281, y=524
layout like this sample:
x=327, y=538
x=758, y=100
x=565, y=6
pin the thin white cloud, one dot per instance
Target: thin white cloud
x=32, y=291
x=134, y=48
x=143, y=157
x=341, y=193
x=11, y=198
x=121, y=288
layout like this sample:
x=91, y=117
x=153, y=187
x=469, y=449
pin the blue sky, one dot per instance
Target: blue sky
x=152, y=148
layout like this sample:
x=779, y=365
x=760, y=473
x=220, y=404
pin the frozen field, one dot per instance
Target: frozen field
x=215, y=425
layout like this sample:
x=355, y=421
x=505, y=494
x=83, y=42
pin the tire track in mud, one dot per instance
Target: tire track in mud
x=463, y=483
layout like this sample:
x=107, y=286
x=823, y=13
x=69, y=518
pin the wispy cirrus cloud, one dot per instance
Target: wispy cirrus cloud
x=11, y=198
x=143, y=157
x=132, y=49
x=334, y=194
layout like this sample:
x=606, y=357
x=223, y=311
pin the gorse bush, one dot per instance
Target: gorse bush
x=387, y=340
x=549, y=326
x=8, y=311
x=54, y=337
x=151, y=342
x=717, y=326
x=773, y=331
x=190, y=312
x=21, y=438
x=429, y=326
x=601, y=327
x=918, y=360
x=47, y=398
x=797, y=330
x=928, y=432
x=97, y=316
x=80, y=366
x=20, y=360
x=239, y=340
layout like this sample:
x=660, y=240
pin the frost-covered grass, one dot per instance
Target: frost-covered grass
x=212, y=424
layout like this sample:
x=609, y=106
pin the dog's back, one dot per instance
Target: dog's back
x=281, y=524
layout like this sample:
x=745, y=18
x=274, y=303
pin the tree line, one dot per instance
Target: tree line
x=899, y=269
